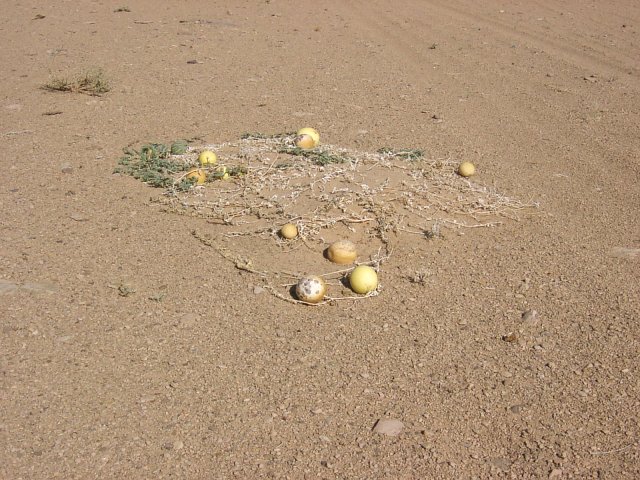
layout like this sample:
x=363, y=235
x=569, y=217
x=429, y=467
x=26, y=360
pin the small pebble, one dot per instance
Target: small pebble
x=555, y=473
x=67, y=168
x=257, y=290
x=388, y=426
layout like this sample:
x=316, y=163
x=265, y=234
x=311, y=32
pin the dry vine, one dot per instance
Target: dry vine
x=389, y=192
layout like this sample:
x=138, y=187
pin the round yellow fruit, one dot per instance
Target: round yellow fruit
x=466, y=169
x=305, y=142
x=221, y=172
x=289, y=231
x=312, y=132
x=198, y=174
x=207, y=157
x=363, y=279
x=342, y=252
x=311, y=289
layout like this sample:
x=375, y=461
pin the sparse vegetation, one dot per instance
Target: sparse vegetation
x=317, y=156
x=315, y=189
x=407, y=154
x=92, y=82
x=160, y=165
x=153, y=165
x=264, y=136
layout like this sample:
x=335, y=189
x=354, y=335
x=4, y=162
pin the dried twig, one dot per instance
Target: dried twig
x=617, y=450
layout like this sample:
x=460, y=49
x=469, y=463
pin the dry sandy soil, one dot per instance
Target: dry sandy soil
x=218, y=380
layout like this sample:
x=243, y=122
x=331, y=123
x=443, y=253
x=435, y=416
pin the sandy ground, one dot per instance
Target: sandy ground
x=218, y=381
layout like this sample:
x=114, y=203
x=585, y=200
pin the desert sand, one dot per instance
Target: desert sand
x=130, y=349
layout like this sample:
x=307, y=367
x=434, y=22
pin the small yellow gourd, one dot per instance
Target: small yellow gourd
x=207, y=157
x=466, y=169
x=198, y=175
x=342, y=252
x=363, y=279
x=305, y=142
x=312, y=132
x=289, y=231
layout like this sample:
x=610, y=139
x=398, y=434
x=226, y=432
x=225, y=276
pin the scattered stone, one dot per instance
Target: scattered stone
x=516, y=408
x=555, y=473
x=178, y=445
x=388, y=426
x=257, y=290
x=530, y=316
x=67, y=168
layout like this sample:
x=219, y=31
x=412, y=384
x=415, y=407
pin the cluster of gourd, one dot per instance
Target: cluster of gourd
x=363, y=279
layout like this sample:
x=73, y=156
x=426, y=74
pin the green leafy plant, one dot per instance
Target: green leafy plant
x=153, y=165
x=157, y=165
x=179, y=147
x=317, y=156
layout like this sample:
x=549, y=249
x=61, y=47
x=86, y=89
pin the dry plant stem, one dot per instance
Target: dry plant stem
x=17, y=132
x=239, y=262
x=478, y=225
x=617, y=450
x=327, y=300
x=331, y=186
x=247, y=265
x=270, y=177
